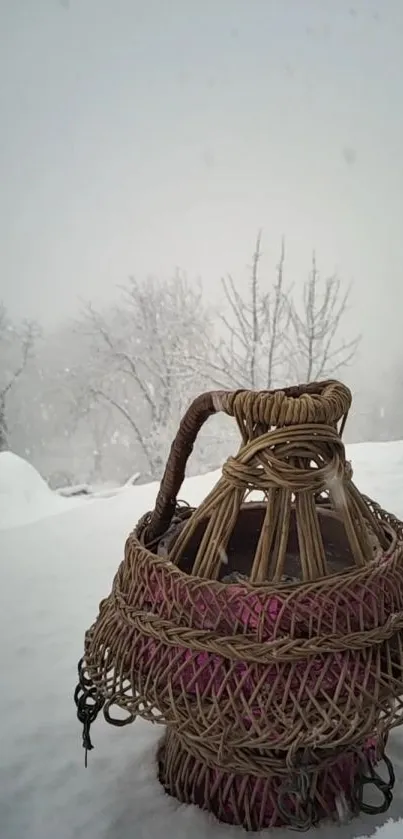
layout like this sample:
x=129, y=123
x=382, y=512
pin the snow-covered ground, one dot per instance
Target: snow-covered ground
x=53, y=572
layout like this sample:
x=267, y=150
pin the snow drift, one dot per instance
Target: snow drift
x=24, y=495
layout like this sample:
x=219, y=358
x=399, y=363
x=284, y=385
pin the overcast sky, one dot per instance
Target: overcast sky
x=140, y=136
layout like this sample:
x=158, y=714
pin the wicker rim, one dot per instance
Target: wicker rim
x=326, y=402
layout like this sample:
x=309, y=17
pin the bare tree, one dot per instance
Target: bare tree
x=16, y=350
x=316, y=348
x=265, y=341
x=141, y=353
x=277, y=320
x=249, y=348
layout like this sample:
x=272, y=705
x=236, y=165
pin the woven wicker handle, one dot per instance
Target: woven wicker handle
x=318, y=402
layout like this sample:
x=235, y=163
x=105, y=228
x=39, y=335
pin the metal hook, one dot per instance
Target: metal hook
x=89, y=703
x=373, y=778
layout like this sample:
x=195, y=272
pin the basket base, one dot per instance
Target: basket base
x=257, y=803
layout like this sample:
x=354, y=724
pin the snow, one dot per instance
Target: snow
x=24, y=495
x=53, y=572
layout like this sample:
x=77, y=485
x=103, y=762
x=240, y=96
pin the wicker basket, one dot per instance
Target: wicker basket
x=266, y=634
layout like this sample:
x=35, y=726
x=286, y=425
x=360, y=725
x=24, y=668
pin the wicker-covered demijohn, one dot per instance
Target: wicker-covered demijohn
x=263, y=628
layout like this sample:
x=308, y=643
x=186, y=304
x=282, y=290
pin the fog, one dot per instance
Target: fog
x=155, y=140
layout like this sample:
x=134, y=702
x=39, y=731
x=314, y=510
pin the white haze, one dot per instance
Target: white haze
x=147, y=139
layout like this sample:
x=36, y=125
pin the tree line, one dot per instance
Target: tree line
x=101, y=397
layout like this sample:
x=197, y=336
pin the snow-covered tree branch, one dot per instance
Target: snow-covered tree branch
x=140, y=355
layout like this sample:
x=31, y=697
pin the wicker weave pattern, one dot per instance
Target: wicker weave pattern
x=249, y=800
x=188, y=674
